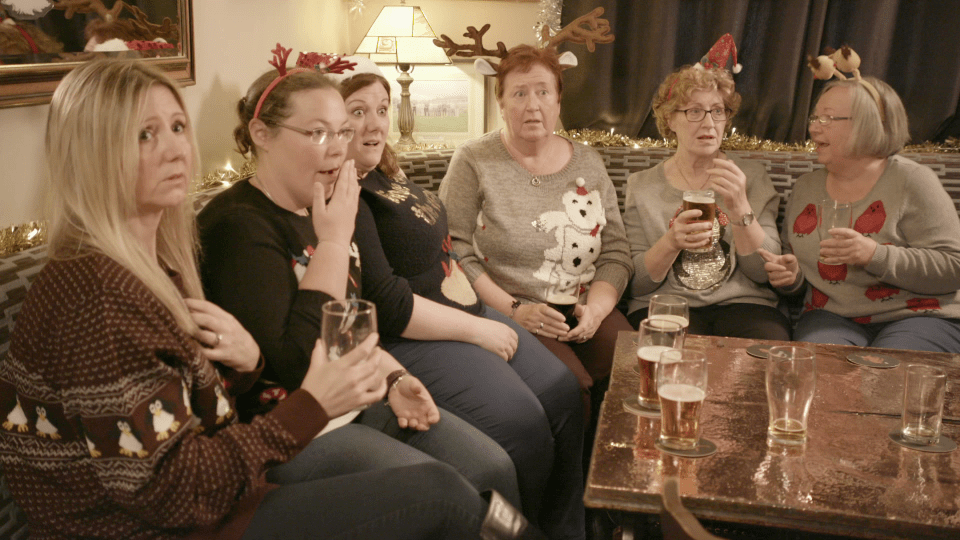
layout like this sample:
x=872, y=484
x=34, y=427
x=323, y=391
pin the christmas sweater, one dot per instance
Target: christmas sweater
x=916, y=267
x=115, y=425
x=718, y=276
x=253, y=255
x=407, y=251
x=541, y=238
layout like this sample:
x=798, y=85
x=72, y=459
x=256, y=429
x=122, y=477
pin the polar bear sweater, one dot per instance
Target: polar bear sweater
x=540, y=238
x=916, y=267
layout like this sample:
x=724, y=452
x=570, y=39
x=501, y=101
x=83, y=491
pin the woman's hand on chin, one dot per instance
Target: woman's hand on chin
x=333, y=219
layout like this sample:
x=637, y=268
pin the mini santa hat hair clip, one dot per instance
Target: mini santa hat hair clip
x=324, y=63
x=718, y=55
x=716, y=58
x=586, y=30
x=833, y=62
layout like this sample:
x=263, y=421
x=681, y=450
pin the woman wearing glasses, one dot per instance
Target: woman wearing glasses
x=891, y=279
x=279, y=244
x=713, y=263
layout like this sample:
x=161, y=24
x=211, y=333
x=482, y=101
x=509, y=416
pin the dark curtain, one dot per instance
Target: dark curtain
x=914, y=45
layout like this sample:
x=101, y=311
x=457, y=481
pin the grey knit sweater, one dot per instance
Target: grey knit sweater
x=720, y=277
x=540, y=238
x=916, y=267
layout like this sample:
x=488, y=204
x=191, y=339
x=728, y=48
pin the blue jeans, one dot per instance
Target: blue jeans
x=429, y=500
x=529, y=405
x=913, y=333
x=374, y=441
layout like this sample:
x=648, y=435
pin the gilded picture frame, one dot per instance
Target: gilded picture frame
x=29, y=76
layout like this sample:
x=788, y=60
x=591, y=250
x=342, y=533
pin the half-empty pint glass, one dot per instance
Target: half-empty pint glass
x=682, y=387
x=656, y=336
x=924, y=389
x=791, y=381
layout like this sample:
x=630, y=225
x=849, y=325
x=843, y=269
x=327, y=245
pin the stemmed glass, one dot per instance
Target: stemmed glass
x=345, y=324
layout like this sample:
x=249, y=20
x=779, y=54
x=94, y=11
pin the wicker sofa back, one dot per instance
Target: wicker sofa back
x=427, y=168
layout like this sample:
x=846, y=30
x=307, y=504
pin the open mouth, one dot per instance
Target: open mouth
x=372, y=144
x=331, y=171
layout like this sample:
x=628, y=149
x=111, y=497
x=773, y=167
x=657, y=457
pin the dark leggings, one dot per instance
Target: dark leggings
x=743, y=320
x=428, y=501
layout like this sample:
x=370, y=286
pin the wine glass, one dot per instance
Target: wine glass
x=345, y=324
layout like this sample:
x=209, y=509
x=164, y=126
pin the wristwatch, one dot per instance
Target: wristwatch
x=746, y=220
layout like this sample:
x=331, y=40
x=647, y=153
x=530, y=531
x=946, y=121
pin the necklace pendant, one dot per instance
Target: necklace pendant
x=535, y=182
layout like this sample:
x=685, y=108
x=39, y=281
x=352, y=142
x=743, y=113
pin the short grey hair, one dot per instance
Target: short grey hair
x=875, y=133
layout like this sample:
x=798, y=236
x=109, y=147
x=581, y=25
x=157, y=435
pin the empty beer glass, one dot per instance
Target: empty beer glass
x=791, y=382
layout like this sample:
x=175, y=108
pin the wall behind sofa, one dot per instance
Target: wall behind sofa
x=233, y=43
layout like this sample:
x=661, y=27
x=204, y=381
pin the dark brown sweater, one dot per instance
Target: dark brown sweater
x=115, y=426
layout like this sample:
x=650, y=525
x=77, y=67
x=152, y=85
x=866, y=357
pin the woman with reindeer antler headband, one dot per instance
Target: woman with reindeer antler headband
x=889, y=275
x=118, y=389
x=478, y=363
x=534, y=217
x=712, y=262
x=277, y=246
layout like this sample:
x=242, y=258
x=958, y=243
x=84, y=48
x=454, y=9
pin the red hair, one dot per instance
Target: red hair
x=523, y=57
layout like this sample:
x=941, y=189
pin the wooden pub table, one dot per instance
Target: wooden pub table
x=849, y=479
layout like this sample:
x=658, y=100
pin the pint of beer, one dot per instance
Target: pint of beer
x=703, y=200
x=656, y=336
x=682, y=387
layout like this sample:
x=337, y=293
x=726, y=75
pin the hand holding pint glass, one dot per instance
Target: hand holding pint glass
x=791, y=382
x=656, y=336
x=682, y=387
x=704, y=200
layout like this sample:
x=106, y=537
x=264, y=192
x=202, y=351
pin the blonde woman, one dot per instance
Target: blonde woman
x=123, y=372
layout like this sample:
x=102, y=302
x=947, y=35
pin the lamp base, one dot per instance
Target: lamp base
x=405, y=119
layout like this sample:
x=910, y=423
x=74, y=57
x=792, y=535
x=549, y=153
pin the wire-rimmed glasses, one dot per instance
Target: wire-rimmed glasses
x=825, y=119
x=322, y=136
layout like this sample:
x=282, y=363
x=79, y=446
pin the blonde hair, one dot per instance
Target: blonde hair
x=874, y=132
x=92, y=166
x=676, y=89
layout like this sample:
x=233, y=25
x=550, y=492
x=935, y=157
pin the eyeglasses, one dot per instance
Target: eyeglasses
x=825, y=119
x=319, y=136
x=696, y=114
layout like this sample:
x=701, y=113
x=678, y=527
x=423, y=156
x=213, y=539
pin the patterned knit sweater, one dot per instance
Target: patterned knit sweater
x=540, y=238
x=916, y=267
x=115, y=426
x=720, y=276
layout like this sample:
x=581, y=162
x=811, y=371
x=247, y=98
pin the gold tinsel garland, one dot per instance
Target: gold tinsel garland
x=28, y=235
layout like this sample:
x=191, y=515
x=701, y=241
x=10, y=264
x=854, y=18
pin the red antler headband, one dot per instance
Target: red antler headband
x=324, y=63
x=716, y=58
x=832, y=62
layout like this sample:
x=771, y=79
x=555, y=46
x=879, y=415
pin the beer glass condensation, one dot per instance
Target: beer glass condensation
x=791, y=380
x=682, y=387
x=656, y=336
x=704, y=200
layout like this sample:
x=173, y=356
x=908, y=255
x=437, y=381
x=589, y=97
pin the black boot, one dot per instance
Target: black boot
x=504, y=522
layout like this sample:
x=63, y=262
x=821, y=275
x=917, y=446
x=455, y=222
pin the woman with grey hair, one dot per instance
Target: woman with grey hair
x=890, y=278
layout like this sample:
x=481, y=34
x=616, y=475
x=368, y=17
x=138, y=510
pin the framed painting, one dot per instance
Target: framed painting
x=447, y=101
x=42, y=40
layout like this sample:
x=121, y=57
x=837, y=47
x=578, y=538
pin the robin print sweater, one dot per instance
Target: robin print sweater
x=916, y=267
x=541, y=238
x=116, y=426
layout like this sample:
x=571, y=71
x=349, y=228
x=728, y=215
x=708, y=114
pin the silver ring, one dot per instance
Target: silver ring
x=541, y=326
x=219, y=338
x=536, y=332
